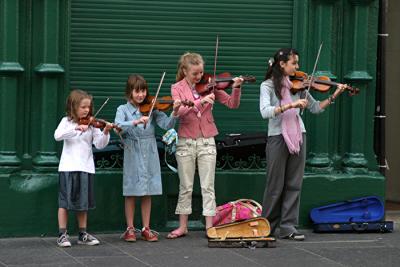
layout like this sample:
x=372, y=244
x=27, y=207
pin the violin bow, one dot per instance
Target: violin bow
x=98, y=111
x=94, y=116
x=215, y=63
x=215, y=59
x=101, y=107
x=315, y=67
x=115, y=131
x=312, y=74
x=155, y=97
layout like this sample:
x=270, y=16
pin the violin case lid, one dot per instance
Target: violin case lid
x=359, y=210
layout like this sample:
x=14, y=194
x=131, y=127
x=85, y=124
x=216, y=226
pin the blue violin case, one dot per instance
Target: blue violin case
x=364, y=214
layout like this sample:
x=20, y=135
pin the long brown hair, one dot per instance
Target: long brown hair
x=185, y=60
x=74, y=100
x=136, y=83
x=275, y=71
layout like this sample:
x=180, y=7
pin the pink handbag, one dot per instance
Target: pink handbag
x=239, y=210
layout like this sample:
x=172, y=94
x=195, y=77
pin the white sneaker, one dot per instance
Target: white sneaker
x=295, y=237
x=87, y=239
x=63, y=241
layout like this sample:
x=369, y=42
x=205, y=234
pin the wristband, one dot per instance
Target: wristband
x=331, y=99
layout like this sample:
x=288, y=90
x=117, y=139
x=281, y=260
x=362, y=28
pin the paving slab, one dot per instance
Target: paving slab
x=372, y=249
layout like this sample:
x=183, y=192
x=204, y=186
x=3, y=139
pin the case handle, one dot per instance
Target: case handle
x=359, y=227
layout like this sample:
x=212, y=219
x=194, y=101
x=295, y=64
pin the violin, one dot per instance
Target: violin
x=97, y=123
x=301, y=81
x=162, y=103
x=221, y=82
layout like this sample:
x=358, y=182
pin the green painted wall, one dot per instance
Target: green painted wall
x=29, y=206
x=48, y=47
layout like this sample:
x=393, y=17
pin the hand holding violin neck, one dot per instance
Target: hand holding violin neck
x=340, y=89
x=237, y=82
x=162, y=104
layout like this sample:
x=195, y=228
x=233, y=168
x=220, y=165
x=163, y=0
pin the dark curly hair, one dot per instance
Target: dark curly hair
x=275, y=71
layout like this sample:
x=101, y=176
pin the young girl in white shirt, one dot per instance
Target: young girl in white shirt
x=76, y=168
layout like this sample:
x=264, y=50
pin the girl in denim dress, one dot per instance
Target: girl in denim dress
x=141, y=169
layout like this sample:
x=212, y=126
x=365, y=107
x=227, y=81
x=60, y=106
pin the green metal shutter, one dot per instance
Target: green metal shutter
x=111, y=39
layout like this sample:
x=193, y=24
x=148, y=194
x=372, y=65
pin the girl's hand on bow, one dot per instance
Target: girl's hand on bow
x=210, y=98
x=82, y=128
x=300, y=103
x=143, y=119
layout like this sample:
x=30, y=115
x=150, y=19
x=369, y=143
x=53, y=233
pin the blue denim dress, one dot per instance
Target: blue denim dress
x=141, y=174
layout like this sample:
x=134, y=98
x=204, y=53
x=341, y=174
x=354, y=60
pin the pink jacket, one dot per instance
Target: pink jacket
x=198, y=120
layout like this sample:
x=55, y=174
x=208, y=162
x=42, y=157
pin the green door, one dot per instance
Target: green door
x=111, y=39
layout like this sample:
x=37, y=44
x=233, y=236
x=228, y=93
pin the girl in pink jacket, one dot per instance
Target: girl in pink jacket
x=196, y=138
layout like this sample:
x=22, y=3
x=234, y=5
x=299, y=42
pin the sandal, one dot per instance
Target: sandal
x=176, y=234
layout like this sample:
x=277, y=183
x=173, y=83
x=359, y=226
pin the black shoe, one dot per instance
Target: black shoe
x=63, y=241
x=273, y=235
x=87, y=239
x=295, y=237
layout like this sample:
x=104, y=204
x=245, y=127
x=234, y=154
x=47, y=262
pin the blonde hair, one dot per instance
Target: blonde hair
x=74, y=100
x=185, y=60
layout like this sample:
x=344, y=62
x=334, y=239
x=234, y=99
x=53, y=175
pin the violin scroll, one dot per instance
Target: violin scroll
x=301, y=81
x=352, y=90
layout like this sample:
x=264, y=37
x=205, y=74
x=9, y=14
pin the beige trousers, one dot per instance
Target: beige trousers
x=188, y=151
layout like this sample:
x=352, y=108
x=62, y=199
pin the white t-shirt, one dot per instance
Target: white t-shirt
x=77, y=154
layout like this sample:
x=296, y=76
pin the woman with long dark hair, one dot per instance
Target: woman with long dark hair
x=286, y=145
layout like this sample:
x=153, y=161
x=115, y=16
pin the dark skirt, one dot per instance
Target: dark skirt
x=76, y=191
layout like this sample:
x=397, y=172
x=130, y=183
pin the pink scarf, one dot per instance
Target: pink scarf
x=291, y=130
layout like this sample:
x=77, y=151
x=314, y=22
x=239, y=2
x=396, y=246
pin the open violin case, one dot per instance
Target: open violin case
x=364, y=214
x=251, y=233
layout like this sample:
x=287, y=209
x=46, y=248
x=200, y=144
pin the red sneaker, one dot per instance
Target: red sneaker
x=129, y=235
x=149, y=235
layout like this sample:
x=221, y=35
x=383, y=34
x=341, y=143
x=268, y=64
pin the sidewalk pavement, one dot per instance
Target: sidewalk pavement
x=372, y=249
